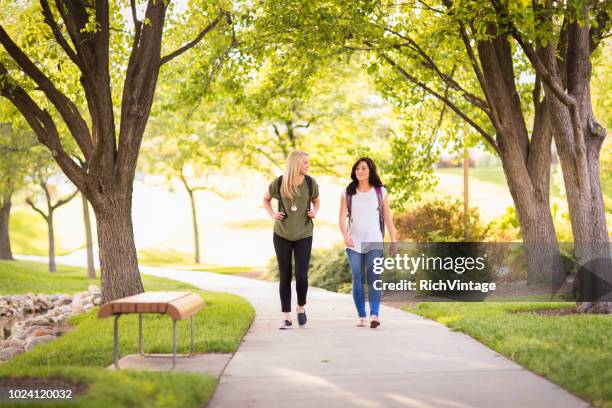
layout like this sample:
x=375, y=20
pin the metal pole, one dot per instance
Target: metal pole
x=173, y=343
x=116, y=341
x=140, y=333
x=466, y=190
x=191, y=345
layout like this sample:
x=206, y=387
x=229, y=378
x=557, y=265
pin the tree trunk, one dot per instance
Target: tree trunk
x=525, y=160
x=91, y=271
x=542, y=256
x=194, y=219
x=49, y=219
x=587, y=215
x=118, y=258
x=579, y=138
x=5, y=241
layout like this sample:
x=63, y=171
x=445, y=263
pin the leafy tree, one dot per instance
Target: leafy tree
x=117, y=62
x=464, y=55
x=16, y=145
x=188, y=150
x=17, y=148
x=558, y=40
x=42, y=176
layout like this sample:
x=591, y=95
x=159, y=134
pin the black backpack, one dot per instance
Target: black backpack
x=279, y=183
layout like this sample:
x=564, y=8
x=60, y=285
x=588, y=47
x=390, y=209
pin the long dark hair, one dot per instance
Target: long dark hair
x=374, y=177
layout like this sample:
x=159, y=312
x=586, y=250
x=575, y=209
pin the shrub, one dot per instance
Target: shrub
x=329, y=269
x=439, y=220
x=506, y=228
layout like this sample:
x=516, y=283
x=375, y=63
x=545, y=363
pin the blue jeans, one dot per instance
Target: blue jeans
x=359, y=263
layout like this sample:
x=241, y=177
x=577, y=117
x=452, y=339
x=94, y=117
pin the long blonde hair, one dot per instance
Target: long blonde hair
x=295, y=160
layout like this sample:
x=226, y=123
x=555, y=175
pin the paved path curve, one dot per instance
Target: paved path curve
x=408, y=361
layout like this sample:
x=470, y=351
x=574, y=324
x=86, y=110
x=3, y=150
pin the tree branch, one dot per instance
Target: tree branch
x=57, y=33
x=481, y=79
x=42, y=124
x=138, y=92
x=66, y=108
x=430, y=63
x=447, y=101
x=38, y=210
x=193, y=42
x=597, y=32
x=137, y=23
x=65, y=200
x=546, y=76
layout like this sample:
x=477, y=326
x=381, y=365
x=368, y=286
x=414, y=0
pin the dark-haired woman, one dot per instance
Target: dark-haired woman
x=365, y=205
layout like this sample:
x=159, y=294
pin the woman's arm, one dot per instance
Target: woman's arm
x=267, y=203
x=388, y=218
x=342, y=223
x=316, y=203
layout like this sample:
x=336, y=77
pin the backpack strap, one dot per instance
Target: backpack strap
x=309, y=183
x=281, y=206
x=381, y=217
x=349, y=206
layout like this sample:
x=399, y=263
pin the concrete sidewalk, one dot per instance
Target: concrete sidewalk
x=408, y=361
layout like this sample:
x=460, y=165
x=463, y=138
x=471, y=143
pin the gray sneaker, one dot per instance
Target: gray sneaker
x=285, y=325
x=302, y=318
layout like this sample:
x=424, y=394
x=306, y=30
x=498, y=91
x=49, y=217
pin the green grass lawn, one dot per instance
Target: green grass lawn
x=181, y=260
x=574, y=351
x=29, y=235
x=495, y=175
x=82, y=354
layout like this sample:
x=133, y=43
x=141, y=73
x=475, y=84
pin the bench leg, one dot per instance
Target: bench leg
x=191, y=343
x=140, y=334
x=173, y=343
x=116, y=341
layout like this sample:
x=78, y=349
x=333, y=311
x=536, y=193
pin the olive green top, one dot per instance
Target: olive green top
x=296, y=224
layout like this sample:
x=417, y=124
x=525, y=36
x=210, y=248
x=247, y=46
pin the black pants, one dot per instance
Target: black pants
x=284, y=251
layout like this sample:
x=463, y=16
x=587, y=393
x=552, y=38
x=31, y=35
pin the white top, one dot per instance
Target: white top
x=365, y=227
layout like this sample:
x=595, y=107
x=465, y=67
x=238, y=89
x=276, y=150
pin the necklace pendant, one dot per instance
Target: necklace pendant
x=294, y=208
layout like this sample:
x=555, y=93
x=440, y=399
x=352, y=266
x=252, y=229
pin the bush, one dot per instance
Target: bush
x=506, y=228
x=439, y=220
x=329, y=269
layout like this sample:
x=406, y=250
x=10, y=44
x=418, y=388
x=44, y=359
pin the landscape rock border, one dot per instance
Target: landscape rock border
x=40, y=318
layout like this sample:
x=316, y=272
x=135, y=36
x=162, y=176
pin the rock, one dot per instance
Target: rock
x=16, y=343
x=65, y=300
x=41, y=332
x=58, y=319
x=39, y=321
x=9, y=352
x=33, y=342
x=21, y=335
x=77, y=308
x=29, y=330
x=94, y=290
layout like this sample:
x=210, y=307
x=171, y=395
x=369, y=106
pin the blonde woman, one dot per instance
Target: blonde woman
x=293, y=226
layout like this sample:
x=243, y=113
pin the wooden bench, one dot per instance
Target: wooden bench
x=177, y=305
